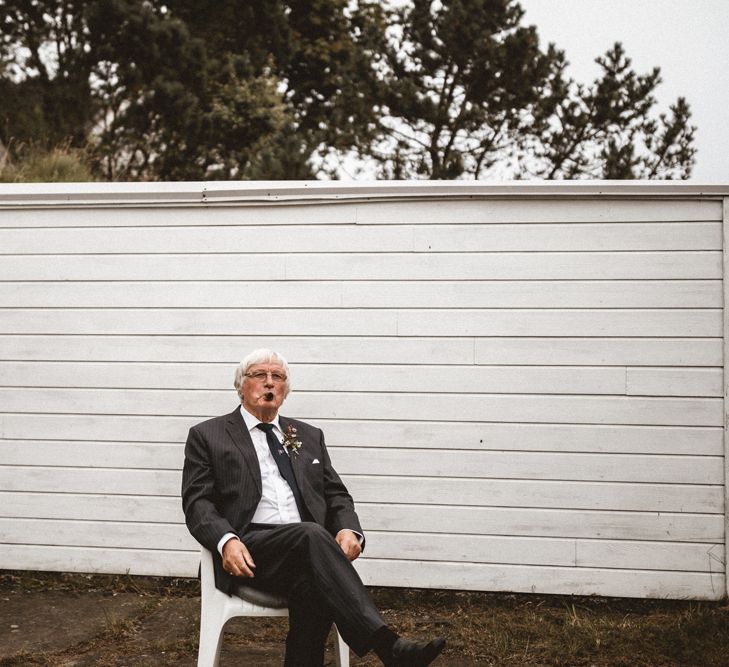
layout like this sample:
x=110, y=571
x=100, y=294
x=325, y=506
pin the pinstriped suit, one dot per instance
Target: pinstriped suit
x=221, y=489
x=221, y=483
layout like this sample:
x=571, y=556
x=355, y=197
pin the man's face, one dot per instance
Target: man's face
x=264, y=388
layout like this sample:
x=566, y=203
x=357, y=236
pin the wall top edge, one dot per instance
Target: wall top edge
x=251, y=192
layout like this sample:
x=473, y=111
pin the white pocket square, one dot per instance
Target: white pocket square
x=315, y=461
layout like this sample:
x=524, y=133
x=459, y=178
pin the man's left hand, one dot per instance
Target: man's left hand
x=349, y=542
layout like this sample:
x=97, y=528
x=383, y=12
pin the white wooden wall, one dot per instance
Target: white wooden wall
x=521, y=385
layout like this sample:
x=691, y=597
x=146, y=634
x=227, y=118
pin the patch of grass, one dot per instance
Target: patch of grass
x=481, y=628
x=28, y=659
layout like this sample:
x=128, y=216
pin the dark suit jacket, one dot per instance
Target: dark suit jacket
x=221, y=483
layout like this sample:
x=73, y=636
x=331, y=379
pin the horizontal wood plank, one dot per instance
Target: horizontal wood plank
x=544, y=522
x=402, y=573
x=357, y=377
x=557, y=351
x=537, y=210
x=554, y=322
x=432, y=211
x=621, y=265
x=91, y=507
x=363, y=294
x=350, y=405
x=671, y=381
x=231, y=349
x=532, y=465
x=187, y=216
x=220, y=321
x=532, y=579
x=606, y=322
x=540, y=493
x=469, y=493
x=401, y=546
x=431, y=464
x=332, y=377
x=600, y=351
x=145, y=562
x=472, y=520
x=417, y=237
x=625, y=439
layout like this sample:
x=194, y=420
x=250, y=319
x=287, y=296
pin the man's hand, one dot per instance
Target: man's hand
x=236, y=559
x=349, y=542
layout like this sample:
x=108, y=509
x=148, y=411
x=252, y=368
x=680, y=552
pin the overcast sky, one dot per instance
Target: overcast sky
x=687, y=39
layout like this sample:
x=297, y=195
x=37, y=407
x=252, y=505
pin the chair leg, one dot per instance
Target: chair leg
x=341, y=650
x=211, y=641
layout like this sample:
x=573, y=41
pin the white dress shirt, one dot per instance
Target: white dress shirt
x=277, y=503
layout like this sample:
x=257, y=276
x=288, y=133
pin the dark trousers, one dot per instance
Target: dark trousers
x=304, y=562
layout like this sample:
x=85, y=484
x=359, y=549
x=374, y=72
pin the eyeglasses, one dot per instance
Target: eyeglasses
x=261, y=376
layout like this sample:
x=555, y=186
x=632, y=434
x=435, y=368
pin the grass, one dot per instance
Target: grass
x=481, y=628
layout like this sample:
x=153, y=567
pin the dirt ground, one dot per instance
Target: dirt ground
x=65, y=620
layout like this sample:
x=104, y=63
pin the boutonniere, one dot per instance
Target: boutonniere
x=291, y=442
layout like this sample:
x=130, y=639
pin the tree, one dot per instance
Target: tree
x=188, y=90
x=176, y=89
x=44, y=73
x=467, y=91
x=607, y=130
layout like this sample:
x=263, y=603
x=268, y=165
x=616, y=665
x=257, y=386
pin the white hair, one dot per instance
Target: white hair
x=260, y=356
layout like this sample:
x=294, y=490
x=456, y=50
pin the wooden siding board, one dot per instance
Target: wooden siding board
x=538, y=210
x=426, y=547
x=231, y=349
x=552, y=580
x=696, y=382
x=91, y=507
x=675, y=381
x=490, y=492
x=679, y=527
x=547, y=494
x=654, y=322
x=364, y=294
x=418, y=237
x=403, y=517
x=346, y=266
x=385, y=463
x=311, y=377
x=618, y=351
x=351, y=405
x=445, y=351
x=625, y=439
x=469, y=576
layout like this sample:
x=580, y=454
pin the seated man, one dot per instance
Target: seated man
x=260, y=492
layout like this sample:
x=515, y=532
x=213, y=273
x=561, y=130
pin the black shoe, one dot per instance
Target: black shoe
x=415, y=654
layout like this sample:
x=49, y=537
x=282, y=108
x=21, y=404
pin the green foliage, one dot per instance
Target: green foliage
x=37, y=165
x=607, y=130
x=461, y=84
x=468, y=91
x=183, y=90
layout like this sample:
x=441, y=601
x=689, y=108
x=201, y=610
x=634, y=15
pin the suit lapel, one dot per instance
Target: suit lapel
x=238, y=432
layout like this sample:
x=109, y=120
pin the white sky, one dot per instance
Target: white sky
x=687, y=39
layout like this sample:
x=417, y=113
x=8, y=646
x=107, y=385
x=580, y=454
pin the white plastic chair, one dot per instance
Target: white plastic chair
x=216, y=608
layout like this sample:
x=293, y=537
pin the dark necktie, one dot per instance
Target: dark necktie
x=284, y=466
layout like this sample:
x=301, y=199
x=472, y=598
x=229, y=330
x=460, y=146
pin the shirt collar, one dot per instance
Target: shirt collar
x=252, y=421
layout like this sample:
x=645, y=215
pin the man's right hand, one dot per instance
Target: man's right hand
x=236, y=559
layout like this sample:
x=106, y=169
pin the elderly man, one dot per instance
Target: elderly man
x=260, y=492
